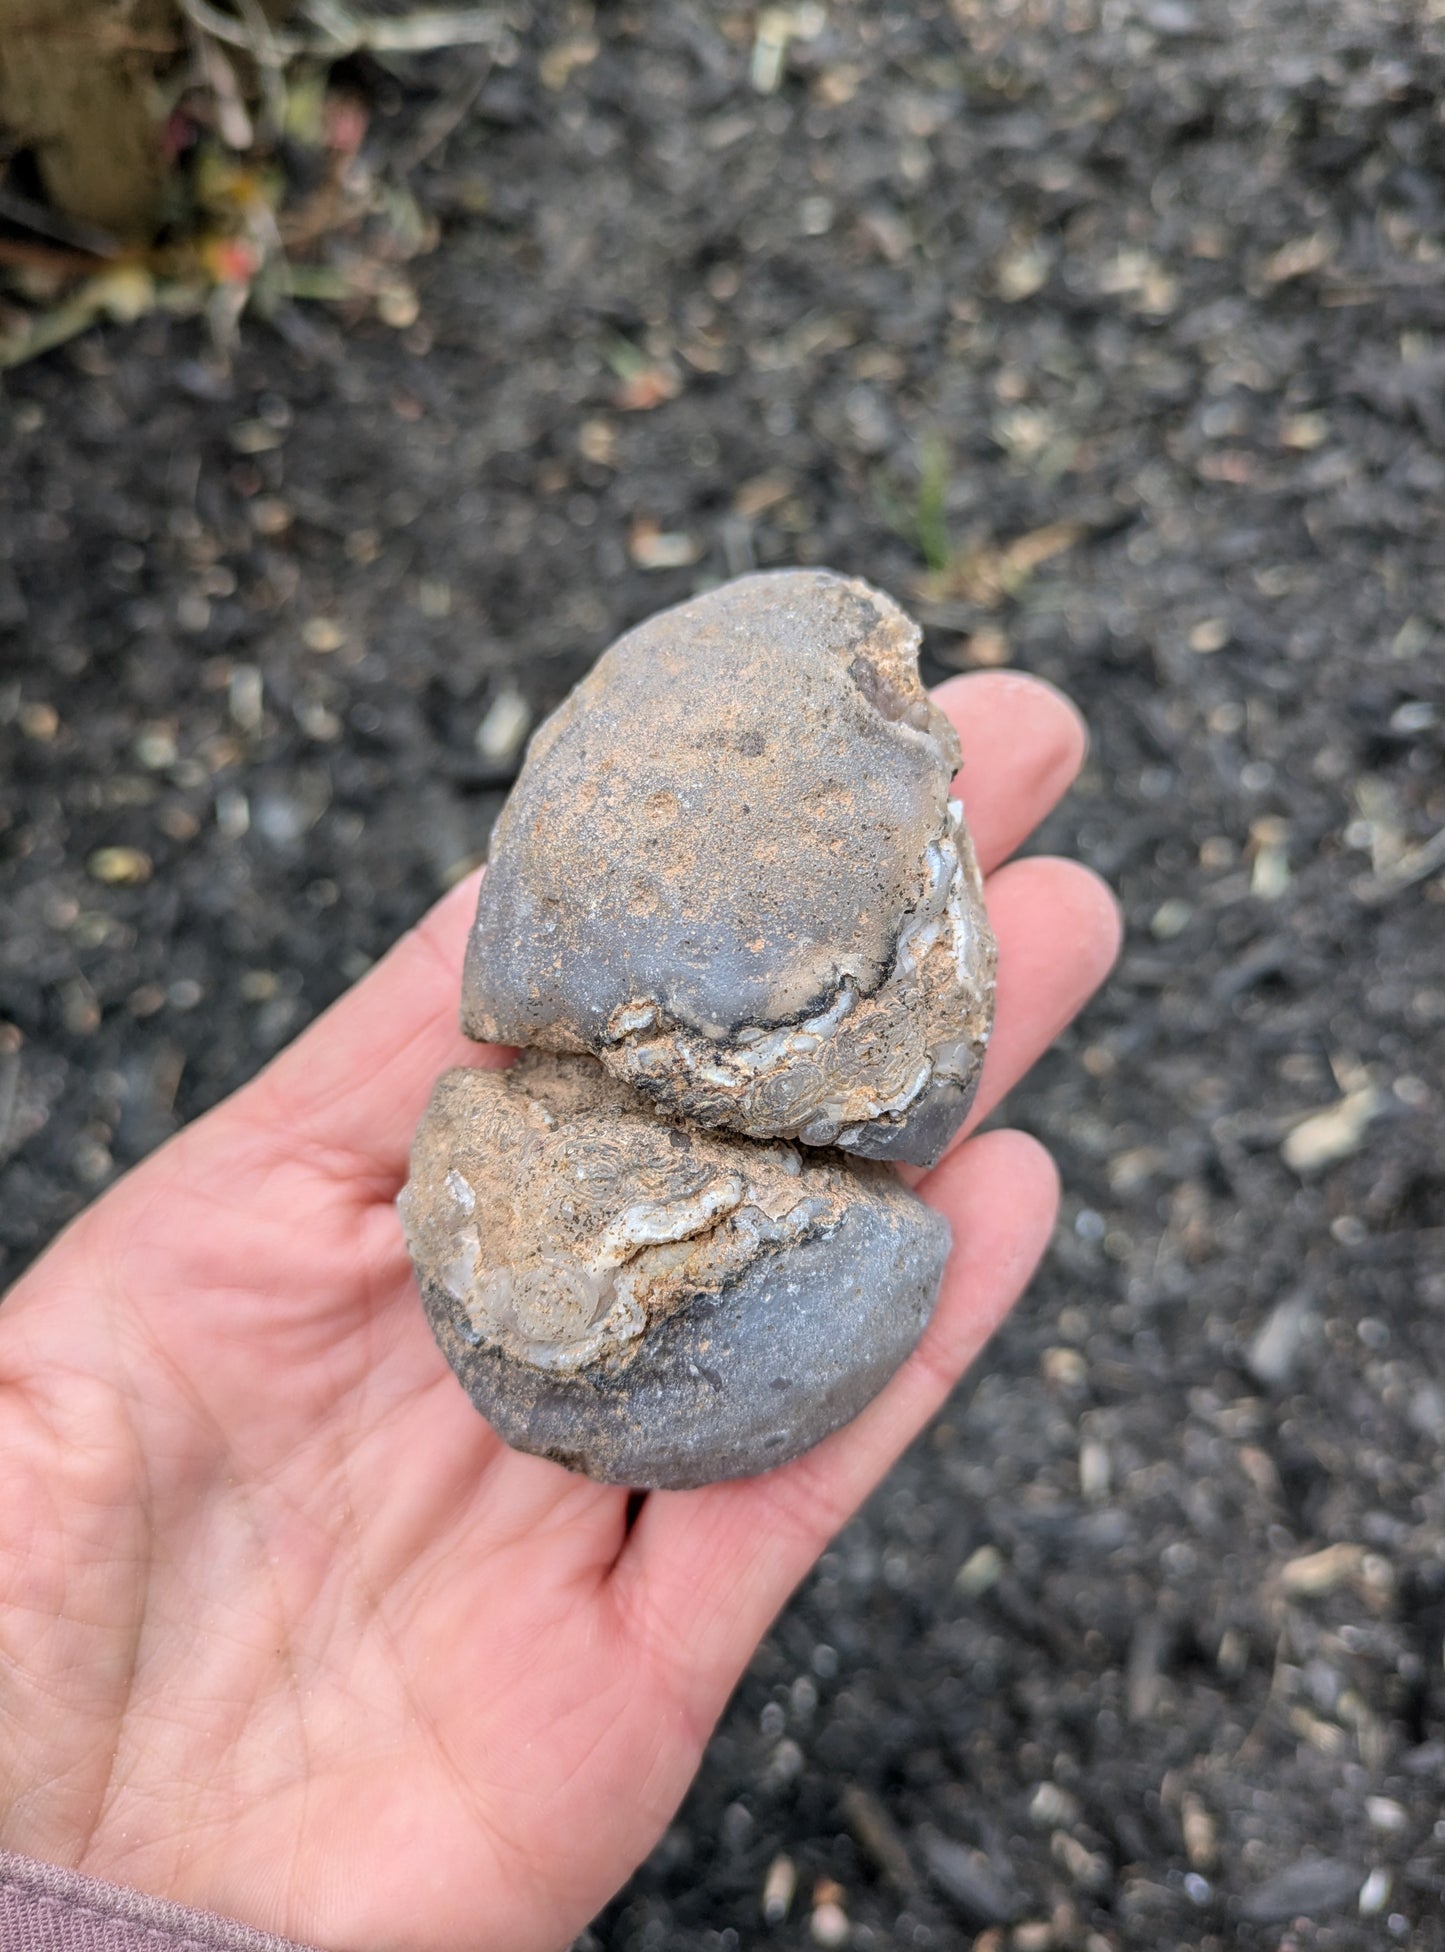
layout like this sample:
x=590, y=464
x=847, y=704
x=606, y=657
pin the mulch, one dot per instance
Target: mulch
x=1109, y=335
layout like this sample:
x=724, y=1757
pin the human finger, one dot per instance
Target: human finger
x=1023, y=744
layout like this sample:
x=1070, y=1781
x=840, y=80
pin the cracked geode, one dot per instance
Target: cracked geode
x=647, y=1302
x=731, y=899
x=732, y=872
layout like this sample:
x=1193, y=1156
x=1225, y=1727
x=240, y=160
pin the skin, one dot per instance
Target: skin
x=285, y=1632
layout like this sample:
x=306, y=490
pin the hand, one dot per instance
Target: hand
x=284, y=1631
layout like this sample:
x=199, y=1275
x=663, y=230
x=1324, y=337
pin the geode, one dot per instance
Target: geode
x=649, y=1302
x=732, y=905
x=731, y=871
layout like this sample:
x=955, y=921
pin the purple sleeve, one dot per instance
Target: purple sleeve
x=46, y=1909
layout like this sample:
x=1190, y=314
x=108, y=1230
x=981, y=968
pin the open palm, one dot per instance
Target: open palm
x=285, y=1632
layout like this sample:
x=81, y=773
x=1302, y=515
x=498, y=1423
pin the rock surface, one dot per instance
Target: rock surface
x=732, y=871
x=655, y=1305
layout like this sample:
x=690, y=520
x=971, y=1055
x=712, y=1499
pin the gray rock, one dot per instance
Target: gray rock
x=1274, y=1350
x=731, y=870
x=651, y=1304
x=1312, y=1888
x=980, y=1892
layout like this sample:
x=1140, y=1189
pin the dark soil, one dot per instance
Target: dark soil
x=1167, y=270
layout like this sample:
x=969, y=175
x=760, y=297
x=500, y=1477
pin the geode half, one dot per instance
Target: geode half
x=653, y=1304
x=731, y=870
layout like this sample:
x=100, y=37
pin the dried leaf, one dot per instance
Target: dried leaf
x=991, y=574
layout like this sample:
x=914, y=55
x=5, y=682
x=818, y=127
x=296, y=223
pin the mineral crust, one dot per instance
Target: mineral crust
x=731, y=871
x=651, y=1303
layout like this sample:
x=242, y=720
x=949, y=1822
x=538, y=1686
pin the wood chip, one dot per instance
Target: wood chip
x=778, y=1888
x=1323, y=1138
x=1321, y=1572
x=1298, y=258
x=653, y=548
x=120, y=867
x=322, y=635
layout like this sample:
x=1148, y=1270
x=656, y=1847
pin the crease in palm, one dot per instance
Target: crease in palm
x=284, y=1631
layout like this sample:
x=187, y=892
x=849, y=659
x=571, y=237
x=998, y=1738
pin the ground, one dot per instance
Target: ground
x=1141, y=1646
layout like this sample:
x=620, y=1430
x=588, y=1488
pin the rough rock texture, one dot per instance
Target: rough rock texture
x=649, y=1303
x=732, y=871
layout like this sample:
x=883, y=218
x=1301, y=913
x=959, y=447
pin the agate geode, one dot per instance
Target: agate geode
x=734, y=910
